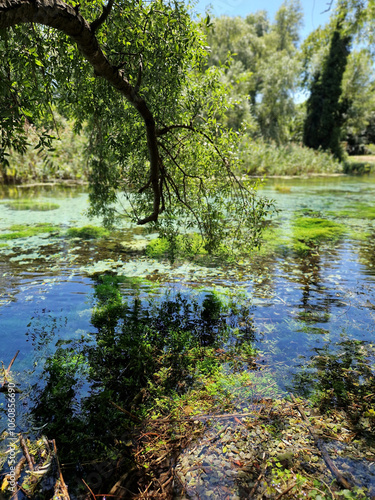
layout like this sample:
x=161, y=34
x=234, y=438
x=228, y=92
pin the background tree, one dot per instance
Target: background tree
x=132, y=73
x=259, y=62
x=324, y=109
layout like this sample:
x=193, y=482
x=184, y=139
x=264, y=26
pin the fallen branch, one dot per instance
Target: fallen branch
x=64, y=488
x=88, y=487
x=26, y=453
x=126, y=412
x=9, y=367
x=332, y=467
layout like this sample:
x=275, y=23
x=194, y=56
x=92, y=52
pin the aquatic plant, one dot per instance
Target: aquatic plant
x=25, y=230
x=33, y=205
x=356, y=211
x=87, y=232
x=310, y=232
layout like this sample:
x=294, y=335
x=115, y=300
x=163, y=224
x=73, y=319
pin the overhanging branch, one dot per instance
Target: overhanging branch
x=98, y=22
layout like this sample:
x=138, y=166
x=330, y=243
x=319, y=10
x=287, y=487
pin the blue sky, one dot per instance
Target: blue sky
x=312, y=9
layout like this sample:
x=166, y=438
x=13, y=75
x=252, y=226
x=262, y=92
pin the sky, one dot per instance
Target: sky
x=313, y=10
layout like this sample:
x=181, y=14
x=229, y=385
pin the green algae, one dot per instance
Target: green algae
x=310, y=232
x=356, y=211
x=25, y=230
x=37, y=206
x=87, y=232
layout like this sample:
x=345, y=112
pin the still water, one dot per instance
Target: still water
x=307, y=312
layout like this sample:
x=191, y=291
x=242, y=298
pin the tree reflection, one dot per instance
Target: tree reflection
x=342, y=378
x=143, y=353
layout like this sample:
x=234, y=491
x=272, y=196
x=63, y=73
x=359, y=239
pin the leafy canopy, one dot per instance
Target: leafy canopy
x=133, y=74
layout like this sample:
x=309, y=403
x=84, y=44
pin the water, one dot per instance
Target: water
x=305, y=314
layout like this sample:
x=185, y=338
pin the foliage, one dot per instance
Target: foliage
x=64, y=159
x=261, y=158
x=260, y=68
x=324, y=117
x=137, y=79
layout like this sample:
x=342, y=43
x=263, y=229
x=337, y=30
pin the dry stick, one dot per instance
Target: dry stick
x=9, y=367
x=88, y=487
x=18, y=469
x=63, y=485
x=286, y=491
x=340, y=478
x=133, y=417
x=26, y=453
x=256, y=484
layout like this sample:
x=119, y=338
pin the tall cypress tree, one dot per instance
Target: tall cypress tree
x=325, y=112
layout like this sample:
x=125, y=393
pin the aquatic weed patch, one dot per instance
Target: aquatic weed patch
x=32, y=205
x=87, y=232
x=357, y=211
x=309, y=232
x=26, y=230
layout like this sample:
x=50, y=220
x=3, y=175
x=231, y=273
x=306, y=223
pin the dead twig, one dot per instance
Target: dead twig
x=88, y=487
x=286, y=491
x=64, y=487
x=9, y=367
x=126, y=412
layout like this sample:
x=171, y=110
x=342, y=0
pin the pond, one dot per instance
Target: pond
x=75, y=301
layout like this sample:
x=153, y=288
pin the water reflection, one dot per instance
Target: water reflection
x=143, y=351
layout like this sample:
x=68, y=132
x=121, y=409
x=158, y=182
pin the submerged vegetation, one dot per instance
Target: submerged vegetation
x=87, y=232
x=32, y=205
x=26, y=230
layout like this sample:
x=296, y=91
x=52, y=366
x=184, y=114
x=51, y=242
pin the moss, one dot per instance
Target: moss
x=24, y=231
x=87, y=232
x=309, y=232
x=32, y=205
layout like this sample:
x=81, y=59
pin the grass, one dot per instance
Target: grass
x=355, y=165
x=87, y=232
x=282, y=189
x=261, y=158
x=33, y=205
x=24, y=231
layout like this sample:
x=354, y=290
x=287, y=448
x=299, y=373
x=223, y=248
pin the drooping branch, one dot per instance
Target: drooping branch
x=63, y=17
x=98, y=22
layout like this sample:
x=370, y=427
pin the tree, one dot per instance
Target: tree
x=130, y=72
x=259, y=63
x=325, y=111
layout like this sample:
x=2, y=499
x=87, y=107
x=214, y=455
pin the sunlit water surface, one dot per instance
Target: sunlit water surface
x=300, y=307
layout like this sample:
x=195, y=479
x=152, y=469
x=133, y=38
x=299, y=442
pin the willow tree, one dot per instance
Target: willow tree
x=131, y=72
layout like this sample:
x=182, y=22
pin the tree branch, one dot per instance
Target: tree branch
x=63, y=17
x=98, y=22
